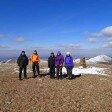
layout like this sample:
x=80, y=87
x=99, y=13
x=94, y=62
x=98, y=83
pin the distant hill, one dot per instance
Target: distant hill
x=7, y=60
x=101, y=59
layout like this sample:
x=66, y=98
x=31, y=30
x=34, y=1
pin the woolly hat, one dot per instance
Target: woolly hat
x=68, y=53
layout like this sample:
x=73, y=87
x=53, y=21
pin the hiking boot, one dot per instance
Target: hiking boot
x=20, y=79
x=33, y=76
x=70, y=78
x=40, y=76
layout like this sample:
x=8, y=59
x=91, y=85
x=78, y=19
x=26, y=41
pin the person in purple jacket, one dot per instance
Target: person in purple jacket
x=69, y=64
x=59, y=60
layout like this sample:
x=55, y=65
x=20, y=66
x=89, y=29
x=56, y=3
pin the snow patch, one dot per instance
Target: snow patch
x=5, y=62
x=8, y=61
x=77, y=61
x=88, y=70
x=76, y=71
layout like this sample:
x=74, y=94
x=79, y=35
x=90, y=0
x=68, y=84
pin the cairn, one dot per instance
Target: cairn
x=83, y=62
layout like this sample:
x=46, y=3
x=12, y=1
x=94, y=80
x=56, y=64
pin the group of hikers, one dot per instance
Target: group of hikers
x=54, y=62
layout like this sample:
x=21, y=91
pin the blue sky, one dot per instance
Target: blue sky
x=80, y=26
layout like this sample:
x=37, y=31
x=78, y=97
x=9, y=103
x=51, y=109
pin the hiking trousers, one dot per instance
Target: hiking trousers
x=20, y=72
x=36, y=68
x=52, y=72
x=69, y=71
x=59, y=71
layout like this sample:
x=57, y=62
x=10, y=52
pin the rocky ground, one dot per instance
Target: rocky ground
x=88, y=93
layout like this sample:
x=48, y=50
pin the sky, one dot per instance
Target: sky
x=82, y=27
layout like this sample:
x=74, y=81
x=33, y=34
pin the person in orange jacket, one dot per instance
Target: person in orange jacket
x=35, y=59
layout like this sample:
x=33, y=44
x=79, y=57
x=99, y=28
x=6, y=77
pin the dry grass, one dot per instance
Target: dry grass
x=88, y=93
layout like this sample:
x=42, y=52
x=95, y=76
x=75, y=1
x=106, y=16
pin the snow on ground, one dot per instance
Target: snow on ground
x=88, y=70
x=80, y=70
x=76, y=71
x=8, y=61
x=77, y=60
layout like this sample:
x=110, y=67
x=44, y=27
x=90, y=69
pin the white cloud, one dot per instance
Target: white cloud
x=109, y=39
x=93, y=35
x=69, y=46
x=3, y=47
x=107, y=32
x=92, y=40
x=44, y=52
x=20, y=39
x=108, y=44
x=103, y=36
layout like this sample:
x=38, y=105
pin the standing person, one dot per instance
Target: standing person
x=22, y=62
x=35, y=59
x=59, y=60
x=69, y=64
x=51, y=65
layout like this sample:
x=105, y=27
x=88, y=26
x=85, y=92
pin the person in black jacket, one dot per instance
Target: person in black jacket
x=22, y=62
x=51, y=65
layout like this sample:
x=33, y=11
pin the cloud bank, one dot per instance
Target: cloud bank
x=104, y=37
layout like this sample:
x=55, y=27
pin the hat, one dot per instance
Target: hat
x=35, y=51
x=59, y=52
x=68, y=53
x=23, y=52
x=52, y=52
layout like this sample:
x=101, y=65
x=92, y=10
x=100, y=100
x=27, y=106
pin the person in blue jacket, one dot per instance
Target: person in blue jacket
x=69, y=64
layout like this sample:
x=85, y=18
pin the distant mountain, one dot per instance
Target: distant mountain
x=103, y=59
x=100, y=59
x=7, y=60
